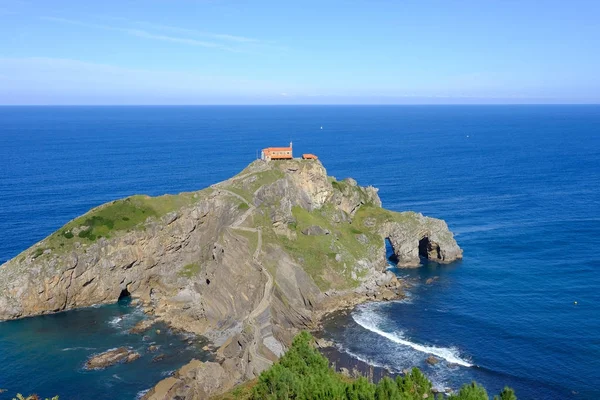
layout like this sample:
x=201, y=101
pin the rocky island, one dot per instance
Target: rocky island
x=247, y=263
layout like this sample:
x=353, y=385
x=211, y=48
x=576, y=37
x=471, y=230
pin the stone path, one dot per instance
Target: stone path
x=260, y=363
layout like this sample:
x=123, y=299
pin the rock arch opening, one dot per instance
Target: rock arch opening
x=390, y=253
x=429, y=250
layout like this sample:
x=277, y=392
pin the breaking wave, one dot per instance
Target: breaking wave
x=366, y=319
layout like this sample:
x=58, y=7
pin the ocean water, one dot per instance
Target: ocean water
x=519, y=186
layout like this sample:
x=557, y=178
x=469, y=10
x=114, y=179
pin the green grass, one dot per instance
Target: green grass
x=317, y=254
x=378, y=216
x=243, y=206
x=38, y=252
x=248, y=185
x=190, y=270
x=115, y=217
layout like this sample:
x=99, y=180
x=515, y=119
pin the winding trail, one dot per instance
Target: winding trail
x=265, y=302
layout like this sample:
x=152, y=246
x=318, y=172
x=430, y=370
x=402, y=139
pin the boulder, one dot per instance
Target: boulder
x=387, y=294
x=315, y=230
x=142, y=326
x=323, y=343
x=111, y=357
x=431, y=360
x=431, y=280
x=132, y=357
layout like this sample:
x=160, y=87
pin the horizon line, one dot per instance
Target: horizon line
x=299, y=104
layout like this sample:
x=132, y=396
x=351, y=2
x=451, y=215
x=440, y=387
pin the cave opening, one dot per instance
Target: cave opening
x=124, y=295
x=390, y=254
x=207, y=281
x=428, y=249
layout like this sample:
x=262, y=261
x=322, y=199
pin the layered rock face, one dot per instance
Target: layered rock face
x=247, y=262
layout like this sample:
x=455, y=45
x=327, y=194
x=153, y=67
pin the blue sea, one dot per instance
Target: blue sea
x=519, y=186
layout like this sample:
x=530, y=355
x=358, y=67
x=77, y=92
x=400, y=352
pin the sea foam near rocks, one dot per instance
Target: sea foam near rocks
x=367, y=317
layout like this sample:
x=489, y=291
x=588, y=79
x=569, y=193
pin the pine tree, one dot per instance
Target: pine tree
x=470, y=392
x=506, y=394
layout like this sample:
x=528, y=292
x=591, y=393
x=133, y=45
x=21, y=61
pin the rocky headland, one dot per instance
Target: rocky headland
x=247, y=263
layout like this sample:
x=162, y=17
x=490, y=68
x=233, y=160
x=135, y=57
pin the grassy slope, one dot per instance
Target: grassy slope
x=317, y=254
x=113, y=218
x=247, y=186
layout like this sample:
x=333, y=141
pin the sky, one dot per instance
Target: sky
x=74, y=52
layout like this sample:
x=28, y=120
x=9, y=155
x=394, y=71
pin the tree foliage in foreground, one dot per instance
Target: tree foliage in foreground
x=304, y=374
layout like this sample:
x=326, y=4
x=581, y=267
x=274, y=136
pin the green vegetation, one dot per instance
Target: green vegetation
x=190, y=270
x=339, y=185
x=243, y=206
x=117, y=216
x=303, y=374
x=248, y=185
x=317, y=254
x=38, y=252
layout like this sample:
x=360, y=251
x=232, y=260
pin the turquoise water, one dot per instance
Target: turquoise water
x=517, y=184
x=46, y=355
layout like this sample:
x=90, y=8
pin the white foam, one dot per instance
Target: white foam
x=365, y=319
x=367, y=360
x=141, y=394
x=78, y=348
x=116, y=321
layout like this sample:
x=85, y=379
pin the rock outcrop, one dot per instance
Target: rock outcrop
x=111, y=357
x=421, y=237
x=246, y=263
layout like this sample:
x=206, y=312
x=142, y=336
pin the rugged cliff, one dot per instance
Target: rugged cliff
x=246, y=262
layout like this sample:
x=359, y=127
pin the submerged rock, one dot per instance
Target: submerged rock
x=111, y=357
x=432, y=360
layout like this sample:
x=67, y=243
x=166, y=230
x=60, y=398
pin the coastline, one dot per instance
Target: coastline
x=387, y=288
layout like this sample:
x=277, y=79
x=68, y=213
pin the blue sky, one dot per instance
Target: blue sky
x=303, y=52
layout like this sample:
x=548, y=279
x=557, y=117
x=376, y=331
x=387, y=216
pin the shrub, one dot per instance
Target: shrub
x=303, y=373
x=472, y=391
x=38, y=252
x=506, y=394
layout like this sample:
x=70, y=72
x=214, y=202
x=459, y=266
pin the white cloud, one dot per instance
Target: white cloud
x=187, y=31
x=146, y=34
x=41, y=80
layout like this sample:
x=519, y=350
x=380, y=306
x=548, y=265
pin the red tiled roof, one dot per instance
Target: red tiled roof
x=270, y=149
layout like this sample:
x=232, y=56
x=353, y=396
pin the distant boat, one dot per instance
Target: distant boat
x=321, y=127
